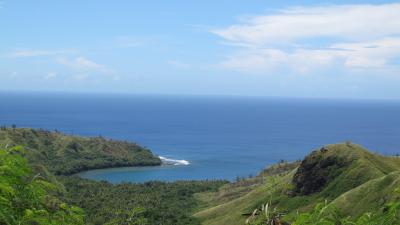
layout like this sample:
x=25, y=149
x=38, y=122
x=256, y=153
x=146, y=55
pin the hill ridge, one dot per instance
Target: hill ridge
x=346, y=166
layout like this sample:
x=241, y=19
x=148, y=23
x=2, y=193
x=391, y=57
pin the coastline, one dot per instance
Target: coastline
x=165, y=163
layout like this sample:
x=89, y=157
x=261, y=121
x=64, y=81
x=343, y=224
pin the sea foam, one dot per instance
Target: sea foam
x=175, y=162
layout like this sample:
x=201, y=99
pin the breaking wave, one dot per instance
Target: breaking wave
x=175, y=162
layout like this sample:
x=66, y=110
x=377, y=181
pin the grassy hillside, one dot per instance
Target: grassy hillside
x=66, y=154
x=231, y=212
x=351, y=178
x=235, y=190
x=373, y=194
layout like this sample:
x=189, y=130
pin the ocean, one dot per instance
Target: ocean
x=213, y=137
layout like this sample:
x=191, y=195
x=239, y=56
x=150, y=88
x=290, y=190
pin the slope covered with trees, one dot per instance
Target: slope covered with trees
x=65, y=154
x=155, y=202
x=32, y=194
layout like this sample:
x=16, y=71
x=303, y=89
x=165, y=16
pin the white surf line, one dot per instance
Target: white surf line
x=175, y=162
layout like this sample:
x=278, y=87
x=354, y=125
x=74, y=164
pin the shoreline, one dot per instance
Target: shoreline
x=165, y=162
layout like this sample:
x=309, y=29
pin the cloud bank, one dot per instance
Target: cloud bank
x=304, y=39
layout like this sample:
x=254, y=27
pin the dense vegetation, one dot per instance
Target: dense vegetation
x=357, y=184
x=65, y=154
x=355, y=187
x=29, y=198
x=158, y=202
x=32, y=194
x=325, y=214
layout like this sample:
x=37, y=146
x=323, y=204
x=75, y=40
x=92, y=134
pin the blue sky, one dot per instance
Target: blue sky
x=335, y=49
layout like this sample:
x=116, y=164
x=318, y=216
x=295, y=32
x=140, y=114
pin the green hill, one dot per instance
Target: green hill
x=373, y=194
x=351, y=178
x=66, y=154
x=31, y=194
x=336, y=184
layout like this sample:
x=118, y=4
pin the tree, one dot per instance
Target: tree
x=25, y=197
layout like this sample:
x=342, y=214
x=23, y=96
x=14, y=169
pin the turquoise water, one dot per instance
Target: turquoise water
x=221, y=137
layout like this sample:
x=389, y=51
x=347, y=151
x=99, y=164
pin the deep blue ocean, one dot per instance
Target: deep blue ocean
x=221, y=137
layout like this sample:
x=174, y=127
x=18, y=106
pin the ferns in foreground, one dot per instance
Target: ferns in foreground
x=324, y=214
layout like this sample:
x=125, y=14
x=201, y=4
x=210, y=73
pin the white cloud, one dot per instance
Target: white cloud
x=358, y=55
x=370, y=54
x=85, y=68
x=27, y=53
x=83, y=64
x=347, y=22
x=305, y=39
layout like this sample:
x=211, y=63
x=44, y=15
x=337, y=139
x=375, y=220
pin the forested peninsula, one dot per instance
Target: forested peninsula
x=65, y=154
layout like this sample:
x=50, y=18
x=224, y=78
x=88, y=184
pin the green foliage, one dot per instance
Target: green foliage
x=132, y=217
x=317, y=169
x=265, y=215
x=165, y=203
x=323, y=214
x=320, y=215
x=104, y=203
x=364, y=186
x=64, y=154
x=30, y=198
x=352, y=179
x=336, y=169
x=327, y=214
x=149, y=203
x=25, y=197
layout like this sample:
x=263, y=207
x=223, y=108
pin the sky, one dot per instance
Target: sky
x=327, y=49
